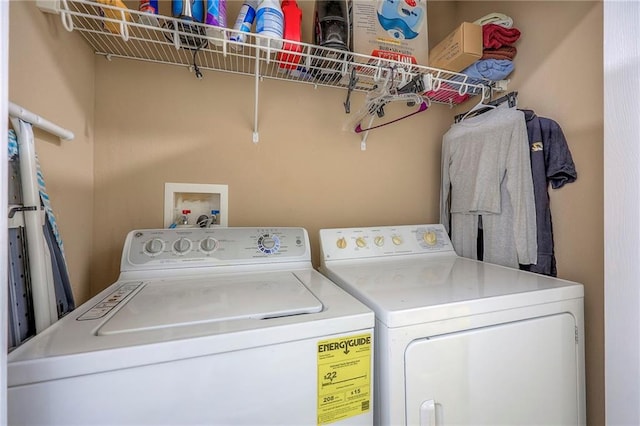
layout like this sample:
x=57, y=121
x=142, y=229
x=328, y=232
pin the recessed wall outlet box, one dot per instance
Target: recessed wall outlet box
x=199, y=200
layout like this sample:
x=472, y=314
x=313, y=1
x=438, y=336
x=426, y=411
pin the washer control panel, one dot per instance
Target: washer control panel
x=110, y=302
x=357, y=243
x=213, y=246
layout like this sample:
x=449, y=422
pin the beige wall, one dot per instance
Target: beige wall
x=305, y=170
x=157, y=124
x=52, y=73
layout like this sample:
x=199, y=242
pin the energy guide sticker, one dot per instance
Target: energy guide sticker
x=344, y=377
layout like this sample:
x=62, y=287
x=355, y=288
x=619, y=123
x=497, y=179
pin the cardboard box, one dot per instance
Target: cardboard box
x=395, y=29
x=459, y=49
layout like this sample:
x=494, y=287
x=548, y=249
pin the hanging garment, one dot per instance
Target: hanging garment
x=486, y=172
x=57, y=270
x=551, y=163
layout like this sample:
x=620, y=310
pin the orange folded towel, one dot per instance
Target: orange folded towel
x=503, y=52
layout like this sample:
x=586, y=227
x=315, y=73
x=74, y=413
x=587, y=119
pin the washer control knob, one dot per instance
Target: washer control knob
x=397, y=240
x=430, y=238
x=269, y=243
x=361, y=242
x=154, y=246
x=379, y=240
x=182, y=245
x=341, y=243
x=208, y=245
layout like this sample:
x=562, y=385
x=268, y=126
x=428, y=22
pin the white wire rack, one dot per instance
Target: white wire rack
x=125, y=33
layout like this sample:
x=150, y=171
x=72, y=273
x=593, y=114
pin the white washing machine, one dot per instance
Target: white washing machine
x=458, y=341
x=210, y=326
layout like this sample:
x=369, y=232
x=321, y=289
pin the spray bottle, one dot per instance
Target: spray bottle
x=244, y=21
x=270, y=23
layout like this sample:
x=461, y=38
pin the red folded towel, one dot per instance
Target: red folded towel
x=504, y=52
x=495, y=36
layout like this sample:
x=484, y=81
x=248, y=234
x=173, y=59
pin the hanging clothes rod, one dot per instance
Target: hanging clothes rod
x=18, y=112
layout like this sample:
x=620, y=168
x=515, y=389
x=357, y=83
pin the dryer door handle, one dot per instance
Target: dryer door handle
x=428, y=413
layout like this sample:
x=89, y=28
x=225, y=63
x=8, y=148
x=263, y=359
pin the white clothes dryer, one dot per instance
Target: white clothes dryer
x=212, y=326
x=459, y=341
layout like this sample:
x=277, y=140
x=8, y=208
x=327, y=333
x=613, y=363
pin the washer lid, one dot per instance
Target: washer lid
x=180, y=302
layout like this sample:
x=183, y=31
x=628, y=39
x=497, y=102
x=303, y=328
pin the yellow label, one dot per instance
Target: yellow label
x=344, y=377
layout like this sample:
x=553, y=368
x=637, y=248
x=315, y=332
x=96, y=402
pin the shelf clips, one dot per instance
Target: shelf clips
x=353, y=80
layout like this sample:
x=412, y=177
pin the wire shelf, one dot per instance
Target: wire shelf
x=127, y=33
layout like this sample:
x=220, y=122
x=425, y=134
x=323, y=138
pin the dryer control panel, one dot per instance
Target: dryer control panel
x=196, y=247
x=358, y=243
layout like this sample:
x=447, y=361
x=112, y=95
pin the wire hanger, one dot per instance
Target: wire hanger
x=480, y=107
x=386, y=93
x=423, y=106
x=511, y=98
x=353, y=80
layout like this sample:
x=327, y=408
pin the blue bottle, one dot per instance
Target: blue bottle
x=189, y=10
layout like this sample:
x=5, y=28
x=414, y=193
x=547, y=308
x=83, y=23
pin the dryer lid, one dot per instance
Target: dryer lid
x=416, y=290
x=174, y=303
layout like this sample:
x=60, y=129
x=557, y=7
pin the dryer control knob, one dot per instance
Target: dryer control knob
x=341, y=243
x=379, y=241
x=182, y=245
x=361, y=242
x=397, y=240
x=154, y=246
x=430, y=238
x=208, y=244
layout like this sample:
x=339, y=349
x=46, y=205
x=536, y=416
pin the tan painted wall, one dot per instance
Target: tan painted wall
x=305, y=170
x=157, y=124
x=52, y=73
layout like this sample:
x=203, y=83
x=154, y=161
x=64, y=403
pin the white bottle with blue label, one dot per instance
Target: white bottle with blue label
x=270, y=23
x=244, y=21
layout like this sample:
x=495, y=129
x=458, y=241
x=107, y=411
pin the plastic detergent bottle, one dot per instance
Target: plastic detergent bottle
x=118, y=12
x=292, y=31
x=244, y=21
x=270, y=23
x=150, y=9
x=216, y=18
